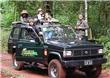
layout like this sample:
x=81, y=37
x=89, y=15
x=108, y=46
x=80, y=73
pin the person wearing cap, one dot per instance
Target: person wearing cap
x=24, y=16
x=38, y=18
x=40, y=14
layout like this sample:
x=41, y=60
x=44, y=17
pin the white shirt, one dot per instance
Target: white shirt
x=39, y=16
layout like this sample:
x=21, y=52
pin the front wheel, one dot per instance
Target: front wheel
x=55, y=69
x=17, y=64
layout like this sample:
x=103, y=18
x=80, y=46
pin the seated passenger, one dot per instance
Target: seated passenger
x=48, y=35
x=40, y=14
x=47, y=17
x=39, y=17
x=31, y=22
x=24, y=16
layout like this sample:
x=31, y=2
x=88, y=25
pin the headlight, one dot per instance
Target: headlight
x=100, y=51
x=67, y=53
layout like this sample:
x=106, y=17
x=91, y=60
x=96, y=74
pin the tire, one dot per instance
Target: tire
x=94, y=73
x=55, y=69
x=17, y=64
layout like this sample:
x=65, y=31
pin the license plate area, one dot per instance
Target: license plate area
x=88, y=62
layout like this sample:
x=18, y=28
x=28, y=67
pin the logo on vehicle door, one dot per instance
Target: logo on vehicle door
x=26, y=52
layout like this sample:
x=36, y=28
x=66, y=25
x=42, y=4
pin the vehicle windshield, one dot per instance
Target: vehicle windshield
x=58, y=32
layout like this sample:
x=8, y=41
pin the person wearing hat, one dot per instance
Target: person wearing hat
x=38, y=18
x=40, y=14
x=24, y=16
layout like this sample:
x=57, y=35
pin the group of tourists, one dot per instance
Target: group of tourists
x=40, y=17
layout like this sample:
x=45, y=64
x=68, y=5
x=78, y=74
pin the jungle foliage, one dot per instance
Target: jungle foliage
x=66, y=12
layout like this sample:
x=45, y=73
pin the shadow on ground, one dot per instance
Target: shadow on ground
x=35, y=70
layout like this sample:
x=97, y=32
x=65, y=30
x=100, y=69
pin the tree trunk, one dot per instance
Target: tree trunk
x=48, y=7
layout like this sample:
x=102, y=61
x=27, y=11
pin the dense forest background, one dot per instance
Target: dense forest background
x=66, y=12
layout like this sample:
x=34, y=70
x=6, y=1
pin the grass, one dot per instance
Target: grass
x=4, y=39
x=10, y=74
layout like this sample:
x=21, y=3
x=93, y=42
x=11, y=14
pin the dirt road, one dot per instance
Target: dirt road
x=26, y=73
x=6, y=64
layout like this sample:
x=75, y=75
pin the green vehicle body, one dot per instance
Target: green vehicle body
x=39, y=52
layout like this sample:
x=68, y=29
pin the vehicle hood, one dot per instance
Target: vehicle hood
x=72, y=44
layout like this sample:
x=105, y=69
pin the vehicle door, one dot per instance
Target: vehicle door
x=13, y=38
x=29, y=46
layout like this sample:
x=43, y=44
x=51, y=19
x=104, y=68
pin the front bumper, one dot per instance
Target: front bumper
x=75, y=63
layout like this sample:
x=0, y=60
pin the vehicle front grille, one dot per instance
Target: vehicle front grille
x=88, y=52
x=85, y=57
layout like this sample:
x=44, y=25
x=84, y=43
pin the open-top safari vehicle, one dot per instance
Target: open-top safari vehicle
x=56, y=48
